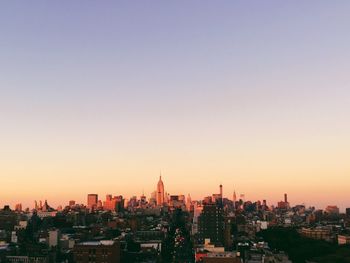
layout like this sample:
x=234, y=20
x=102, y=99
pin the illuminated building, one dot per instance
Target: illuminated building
x=92, y=200
x=160, y=192
x=321, y=233
x=332, y=209
x=115, y=203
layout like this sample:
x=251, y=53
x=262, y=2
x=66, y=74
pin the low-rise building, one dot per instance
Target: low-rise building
x=321, y=233
x=106, y=251
x=221, y=257
x=343, y=239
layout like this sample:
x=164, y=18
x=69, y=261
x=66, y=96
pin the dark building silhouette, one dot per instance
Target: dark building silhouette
x=211, y=223
x=8, y=219
x=97, y=251
x=348, y=212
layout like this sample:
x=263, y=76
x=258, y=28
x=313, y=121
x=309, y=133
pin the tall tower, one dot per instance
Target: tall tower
x=92, y=200
x=221, y=191
x=285, y=198
x=160, y=192
x=188, y=202
x=234, y=199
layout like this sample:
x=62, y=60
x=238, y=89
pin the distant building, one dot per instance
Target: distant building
x=332, y=209
x=46, y=207
x=45, y=210
x=26, y=259
x=343, y=239
x=196, y=213
x=283, y=204
x=234, y=199
x=189, y=206
x=18, y=208
x=347, y=212
x=160, y=192
x=53, y=238
x=43, y=214
x=177, y=201
x=92, y=200
x=321, y=233
x=221, y=257
x=115, y=203
x=105, y=251
x=8, y=219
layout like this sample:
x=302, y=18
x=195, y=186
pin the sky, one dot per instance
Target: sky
x=99, y=97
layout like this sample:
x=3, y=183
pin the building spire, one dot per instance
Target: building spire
x=160, y=191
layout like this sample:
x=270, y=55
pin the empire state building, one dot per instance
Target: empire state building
x=160, y=192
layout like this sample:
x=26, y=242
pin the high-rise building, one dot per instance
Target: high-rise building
x=92, y=200
x=332, y=209
x=234, y=199
x=99, y=205
x=283, y=204
x=18, y=207
x=347, y=211
x=211, y=223
x=160, y=192
x=188, y=203
x=166, y=198
x=115, y=203
x=143, y=200
x=221, y=201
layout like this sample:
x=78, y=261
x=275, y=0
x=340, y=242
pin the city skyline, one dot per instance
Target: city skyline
x=160, y=196
x=97, y=98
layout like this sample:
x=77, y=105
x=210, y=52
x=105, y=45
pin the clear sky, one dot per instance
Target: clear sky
x=98, y=96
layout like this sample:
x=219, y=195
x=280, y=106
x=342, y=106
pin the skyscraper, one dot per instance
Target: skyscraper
x=115, y=203
x=234, y=199
x=92, y=200
x=160, y=192
x=188, y=202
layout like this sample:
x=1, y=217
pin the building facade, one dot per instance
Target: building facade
x=105, y=251
x=160, y=192
x=92, y=200
x=211, y=224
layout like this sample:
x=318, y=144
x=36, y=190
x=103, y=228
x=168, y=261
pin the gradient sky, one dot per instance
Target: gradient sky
x=99, y=96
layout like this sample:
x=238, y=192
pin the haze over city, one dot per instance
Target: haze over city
x=253, y=96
